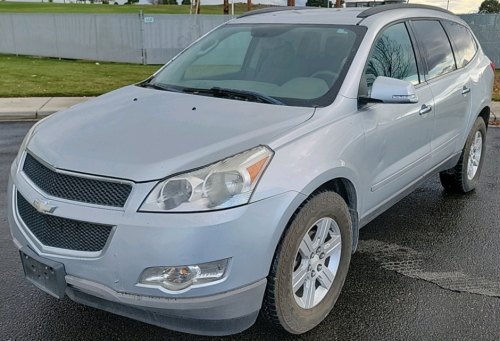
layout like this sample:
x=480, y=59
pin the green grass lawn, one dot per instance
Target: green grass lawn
x=46, y=7
x=39, y=77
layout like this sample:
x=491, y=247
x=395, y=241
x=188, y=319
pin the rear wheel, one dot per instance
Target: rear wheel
x=464, y=176
x=310, y=265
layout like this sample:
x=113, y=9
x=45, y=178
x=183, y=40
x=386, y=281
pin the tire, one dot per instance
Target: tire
x=300, y=310
x=464, y=176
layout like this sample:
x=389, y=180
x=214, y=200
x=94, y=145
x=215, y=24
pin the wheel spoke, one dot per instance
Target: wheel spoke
x=470, y=170
x=478, y=142
x=326, y=278
x=332, y=246
x=306, y=246
x=479, y=147
x=309, y=291
x=299, y=278
x=322, y=232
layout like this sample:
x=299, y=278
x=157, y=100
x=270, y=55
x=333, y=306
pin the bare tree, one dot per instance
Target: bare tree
x=390, y=59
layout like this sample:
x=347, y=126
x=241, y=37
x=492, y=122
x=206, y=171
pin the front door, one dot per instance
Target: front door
x=397, y=136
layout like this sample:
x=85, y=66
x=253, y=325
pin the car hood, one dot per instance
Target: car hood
x=144, y=134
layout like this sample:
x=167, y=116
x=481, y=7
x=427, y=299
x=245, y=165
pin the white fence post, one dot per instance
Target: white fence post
x=144, y=52
x=96, y=37
x=13, y=33
x=57, y=36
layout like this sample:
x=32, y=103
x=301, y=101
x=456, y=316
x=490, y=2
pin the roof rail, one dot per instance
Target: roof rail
x=379, y=9
x=274, y=9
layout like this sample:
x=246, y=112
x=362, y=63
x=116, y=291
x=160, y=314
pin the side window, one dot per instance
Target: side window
x=392, y=56
x=438, y=53
x=464, y=43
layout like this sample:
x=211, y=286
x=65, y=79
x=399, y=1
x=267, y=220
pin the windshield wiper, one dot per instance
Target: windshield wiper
x=242, y=95
x=158, y=86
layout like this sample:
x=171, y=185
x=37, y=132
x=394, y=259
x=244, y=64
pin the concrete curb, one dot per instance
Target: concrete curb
x=35, y=107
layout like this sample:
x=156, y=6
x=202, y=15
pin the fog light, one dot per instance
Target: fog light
x=177, y=278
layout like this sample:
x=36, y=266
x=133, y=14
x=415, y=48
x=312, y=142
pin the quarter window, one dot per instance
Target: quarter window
x=465, y=46
x=437, y=48
x=392, y=56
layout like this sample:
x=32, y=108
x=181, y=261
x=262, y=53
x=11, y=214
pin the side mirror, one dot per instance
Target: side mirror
x=391, y=90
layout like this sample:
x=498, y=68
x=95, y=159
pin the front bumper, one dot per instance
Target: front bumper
x=223, y=314
x=108, y=280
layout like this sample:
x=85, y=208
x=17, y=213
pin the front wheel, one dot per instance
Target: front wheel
x=310, y=265
x=464, y=176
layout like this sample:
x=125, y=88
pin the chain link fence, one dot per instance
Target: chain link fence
x=127, y=38
x=109, y=37
x=486, y=27
x=146, y=39
x=164, y=35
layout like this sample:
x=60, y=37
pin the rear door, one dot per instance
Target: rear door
x=465, y=49
x=450, y=88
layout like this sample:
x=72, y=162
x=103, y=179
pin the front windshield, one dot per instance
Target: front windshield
x=294, y=64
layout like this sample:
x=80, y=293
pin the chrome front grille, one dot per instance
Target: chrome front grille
x=61, y=232
x=75, y=188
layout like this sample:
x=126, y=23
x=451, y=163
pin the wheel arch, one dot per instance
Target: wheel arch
x=346, y=189
x=485, y=115
x=483, y=111
x=341, y=185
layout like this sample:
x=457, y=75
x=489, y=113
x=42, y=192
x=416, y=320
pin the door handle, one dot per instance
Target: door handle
x=425, y=110
x=465, y=90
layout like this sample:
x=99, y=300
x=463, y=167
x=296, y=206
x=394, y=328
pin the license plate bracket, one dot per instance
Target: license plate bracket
x=47, y=275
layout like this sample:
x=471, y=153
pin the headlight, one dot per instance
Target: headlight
x=224, y=184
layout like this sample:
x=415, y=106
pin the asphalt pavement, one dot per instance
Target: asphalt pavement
x=427, y=269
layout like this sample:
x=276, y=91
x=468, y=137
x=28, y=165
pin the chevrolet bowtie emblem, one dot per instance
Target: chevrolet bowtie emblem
x=43, y=206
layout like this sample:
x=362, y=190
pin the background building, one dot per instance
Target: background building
x=356, y=3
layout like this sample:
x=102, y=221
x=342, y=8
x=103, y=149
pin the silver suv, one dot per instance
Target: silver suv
x=235, y=180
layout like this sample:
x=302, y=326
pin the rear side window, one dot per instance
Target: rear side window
x=392, y=56
x=465, y=46
x=437, y=48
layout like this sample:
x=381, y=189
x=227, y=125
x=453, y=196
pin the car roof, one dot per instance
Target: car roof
x=303, y=15
x=342, y=16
